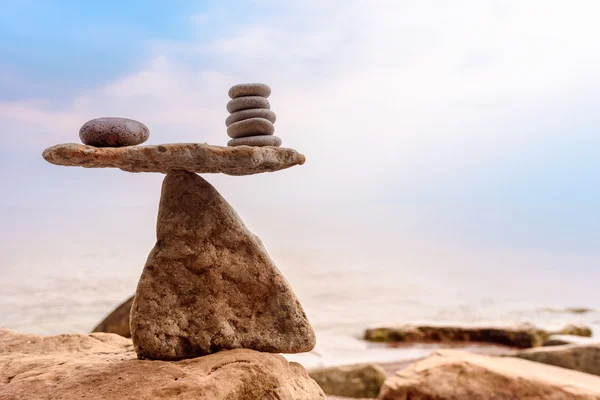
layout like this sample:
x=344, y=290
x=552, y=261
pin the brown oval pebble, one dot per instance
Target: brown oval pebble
x=250, y=127
x=244, y=103
x=251, y=113
x=249, y=89
x=255, y=141
x=113, y=132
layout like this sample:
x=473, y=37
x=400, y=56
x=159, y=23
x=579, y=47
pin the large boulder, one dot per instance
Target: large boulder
x=209, y=284
x=521, y=336
x=117, y=321
x=457, y=375
x=358, y=381
x=104, y=366
x=580, y=357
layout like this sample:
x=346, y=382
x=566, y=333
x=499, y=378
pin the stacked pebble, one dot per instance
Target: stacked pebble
x=251, y=120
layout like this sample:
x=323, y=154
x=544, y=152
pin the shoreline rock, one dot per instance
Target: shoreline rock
x=521, y=336
x=117, y=321
x=104, y=366
x=456, y=375
x=192, y=157
x=578, y=357
x=356, y=381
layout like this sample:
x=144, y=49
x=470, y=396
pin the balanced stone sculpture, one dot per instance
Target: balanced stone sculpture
x=208, y=284
x=251, y=120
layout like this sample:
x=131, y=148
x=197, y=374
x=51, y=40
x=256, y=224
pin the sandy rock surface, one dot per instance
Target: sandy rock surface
x=193, y=157
x=457, y=375
x=104, y=366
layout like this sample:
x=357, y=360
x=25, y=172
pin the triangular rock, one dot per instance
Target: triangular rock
x=209, y=284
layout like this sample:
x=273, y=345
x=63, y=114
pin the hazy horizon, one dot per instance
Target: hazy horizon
x=451, y=149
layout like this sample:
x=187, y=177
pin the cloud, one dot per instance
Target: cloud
x=383, y=99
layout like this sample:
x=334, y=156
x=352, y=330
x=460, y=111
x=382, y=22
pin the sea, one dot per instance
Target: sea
x=63, y=271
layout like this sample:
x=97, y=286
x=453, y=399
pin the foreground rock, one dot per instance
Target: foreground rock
x=209, y=284
x=117, y=321
x=104, y=366
x=193, y=157
x=358, y=381
x=456, y=375
x=580, y=357
x=523, y=336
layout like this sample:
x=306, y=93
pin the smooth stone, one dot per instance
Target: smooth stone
x=357, y=381
x=113, y=132
x=103, y=366
x=193, y=157
x=249, y=89
x=245, y=103
x=251, y=113
x=251, y=127
x=263, y=140
x=117, y=321
x=209, y=285
x=457, y=375
x=583, y=357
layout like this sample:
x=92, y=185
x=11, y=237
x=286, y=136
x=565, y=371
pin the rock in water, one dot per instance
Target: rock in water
x=103, y=366
x=209, y=284
x=263, y=140
x=113, y=132
x=249, y=89
x=117, y=321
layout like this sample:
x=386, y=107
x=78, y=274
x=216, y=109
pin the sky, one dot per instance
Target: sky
x=470, y=126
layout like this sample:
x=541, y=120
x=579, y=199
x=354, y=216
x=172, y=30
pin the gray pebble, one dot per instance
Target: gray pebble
x=113, y=132
x=255, y=141
x=250, y=89
x=251, y=127
x=244, y=103
x=251, y=113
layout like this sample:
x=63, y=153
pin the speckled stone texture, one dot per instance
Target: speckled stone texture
x=250, y=127
x=245, y=103
x=193, y=157
x=249, y=89
x=264, y=140
x=113, y=132
x=209, y=284
x=103, y=366
x=252, y=113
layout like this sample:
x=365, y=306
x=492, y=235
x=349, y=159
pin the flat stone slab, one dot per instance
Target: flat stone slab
x=164, y=158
